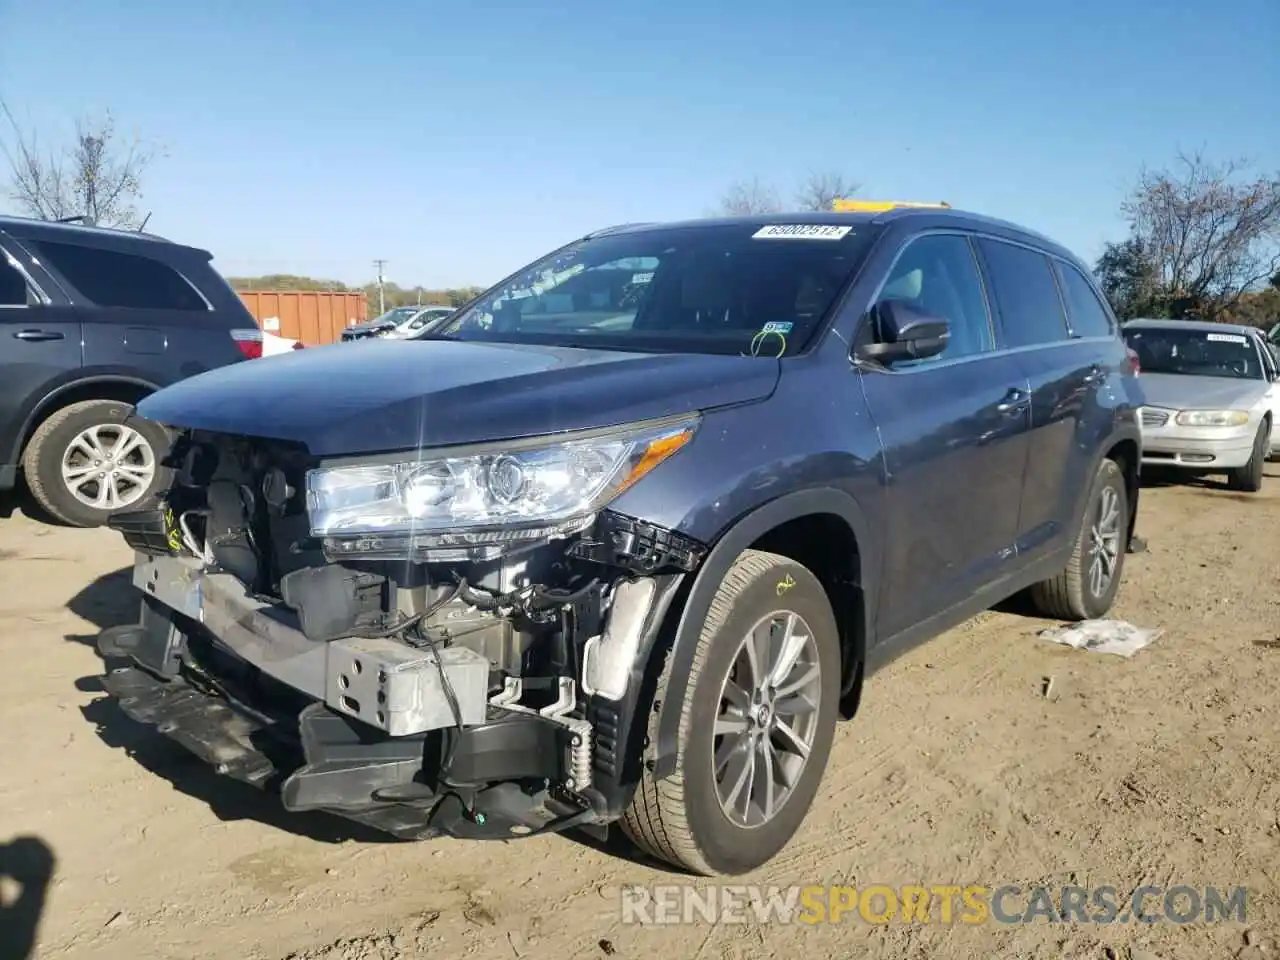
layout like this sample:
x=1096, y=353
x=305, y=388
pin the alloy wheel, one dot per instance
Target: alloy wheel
x=1104, y=542
x=108, y=466
x=767, y=718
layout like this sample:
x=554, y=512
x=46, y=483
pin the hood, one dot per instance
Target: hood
x=1180, y=391
x=375, y=396
x=367, y=326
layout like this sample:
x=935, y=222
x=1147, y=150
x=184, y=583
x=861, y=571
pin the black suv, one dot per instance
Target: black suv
x=93, y=320
x=622, y=539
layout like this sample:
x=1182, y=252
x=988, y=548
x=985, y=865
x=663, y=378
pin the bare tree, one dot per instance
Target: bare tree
x=97, y=175
x=821, y=190
x=1209, y=232
x=748, y=197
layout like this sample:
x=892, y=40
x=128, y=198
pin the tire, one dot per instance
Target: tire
x=1072, y=594
x=680, y=818
x=111, y=422
x=1248, y=478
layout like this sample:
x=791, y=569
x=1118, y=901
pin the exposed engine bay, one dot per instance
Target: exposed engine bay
x=478, y=693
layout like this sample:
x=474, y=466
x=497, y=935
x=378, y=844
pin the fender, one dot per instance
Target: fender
x=75, y=384
x=731, y=543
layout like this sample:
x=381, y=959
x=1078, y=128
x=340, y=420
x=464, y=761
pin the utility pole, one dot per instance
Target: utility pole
x=382, y=298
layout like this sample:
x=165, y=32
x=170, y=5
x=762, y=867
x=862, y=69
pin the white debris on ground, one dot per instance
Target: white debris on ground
x=1103, y=636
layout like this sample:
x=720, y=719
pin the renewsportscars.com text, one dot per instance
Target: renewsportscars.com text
x=945, y=903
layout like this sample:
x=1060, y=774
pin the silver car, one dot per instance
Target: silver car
x=426, y=317
x=1212, y=398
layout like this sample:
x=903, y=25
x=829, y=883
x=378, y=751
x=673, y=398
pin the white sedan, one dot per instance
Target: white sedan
x=1212, y=398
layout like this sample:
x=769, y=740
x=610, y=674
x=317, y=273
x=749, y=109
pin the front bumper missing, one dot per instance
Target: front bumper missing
x=510, y=770
x=323, y=761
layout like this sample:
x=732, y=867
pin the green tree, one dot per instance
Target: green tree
x=285, y=282
x=1129, y=277
x=395, y=296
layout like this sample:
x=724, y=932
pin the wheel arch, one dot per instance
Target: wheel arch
x=1126, y=452
x=117, y=387
x=785, y=525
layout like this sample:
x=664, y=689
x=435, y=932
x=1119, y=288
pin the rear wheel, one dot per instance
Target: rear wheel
x=756, y=724
x=1249, y=477
x=93, y=458
x=1087, y=587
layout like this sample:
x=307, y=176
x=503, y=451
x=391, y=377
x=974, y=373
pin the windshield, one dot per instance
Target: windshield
x=1197, y=353
x=395, y=315
x=427, y=316
x=736, y=288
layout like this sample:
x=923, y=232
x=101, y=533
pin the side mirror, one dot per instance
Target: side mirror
x=904, y=333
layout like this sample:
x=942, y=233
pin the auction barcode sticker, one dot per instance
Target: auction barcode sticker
x=801, y=231
x=1227, y=338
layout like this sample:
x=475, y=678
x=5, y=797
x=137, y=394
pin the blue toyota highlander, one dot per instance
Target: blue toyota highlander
x=622, y=540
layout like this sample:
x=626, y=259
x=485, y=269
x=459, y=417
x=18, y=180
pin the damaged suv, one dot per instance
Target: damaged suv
x=620, y=541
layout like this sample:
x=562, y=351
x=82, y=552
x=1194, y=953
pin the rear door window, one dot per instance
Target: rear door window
x=1026, y=294
x=110, y=278
x=1087, y=315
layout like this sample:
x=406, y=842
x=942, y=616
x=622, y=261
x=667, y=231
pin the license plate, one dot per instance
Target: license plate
x=177, y=582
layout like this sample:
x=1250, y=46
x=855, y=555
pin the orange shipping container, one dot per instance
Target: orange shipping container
x=315, y=317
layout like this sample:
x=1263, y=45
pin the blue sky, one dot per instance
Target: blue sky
x=458, y=141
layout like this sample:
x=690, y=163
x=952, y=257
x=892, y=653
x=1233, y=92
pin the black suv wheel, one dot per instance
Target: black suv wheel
x=1087, y=587
x=756, y=724
x=92, y=458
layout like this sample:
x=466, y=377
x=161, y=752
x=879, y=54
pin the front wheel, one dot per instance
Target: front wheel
x=1087, y=587
x=756, y=724
x=1248, y=478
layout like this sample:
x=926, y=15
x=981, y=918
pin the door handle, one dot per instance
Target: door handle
x=1015, y=400
x=36, y=336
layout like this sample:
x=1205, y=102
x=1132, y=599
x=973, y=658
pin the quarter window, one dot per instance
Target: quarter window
x=14, y=291
x=113, y=279
x=1088, y=317
x=1030, y=308
x=938, y=275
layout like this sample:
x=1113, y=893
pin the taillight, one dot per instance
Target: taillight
x=1135, y=366
x=249, y=342
x=297, y=345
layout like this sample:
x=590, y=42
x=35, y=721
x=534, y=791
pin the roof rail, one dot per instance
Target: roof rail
x=603, y=231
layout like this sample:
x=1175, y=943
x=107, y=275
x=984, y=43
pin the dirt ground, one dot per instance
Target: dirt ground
x=959, y=769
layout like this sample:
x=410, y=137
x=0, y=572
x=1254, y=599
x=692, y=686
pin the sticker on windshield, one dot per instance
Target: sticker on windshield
x=765, y=333
x=801, y=231
x=1227, y=338
x=642, y=277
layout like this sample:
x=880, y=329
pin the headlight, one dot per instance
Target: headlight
x=1212, y=418
x=478, y=506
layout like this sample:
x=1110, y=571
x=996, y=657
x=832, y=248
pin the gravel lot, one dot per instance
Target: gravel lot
x=1161, y=769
